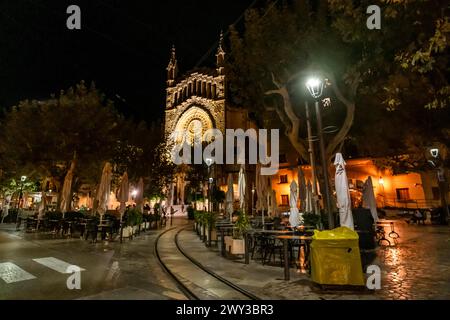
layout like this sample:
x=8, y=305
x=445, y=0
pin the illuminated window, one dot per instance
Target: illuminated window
x=402, y=194
x=283, y=178
x=284, y=200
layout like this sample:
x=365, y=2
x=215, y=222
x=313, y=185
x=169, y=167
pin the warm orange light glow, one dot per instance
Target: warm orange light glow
x=381, y=181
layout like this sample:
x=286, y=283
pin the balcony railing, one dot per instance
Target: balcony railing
x=412, y=203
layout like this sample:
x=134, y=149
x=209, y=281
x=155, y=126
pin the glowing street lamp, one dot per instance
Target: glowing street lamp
x=315, y=88
x=438, y=165
x=22, y=180
x=209, y=162
x=434, y=152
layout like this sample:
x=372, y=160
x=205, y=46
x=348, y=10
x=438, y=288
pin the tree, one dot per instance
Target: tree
x=41, y=138
x=162, y=171
x=365, y=69
x=406, y=107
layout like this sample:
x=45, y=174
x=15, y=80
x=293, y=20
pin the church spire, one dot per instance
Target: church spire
x=172, y=68
x=220, y=56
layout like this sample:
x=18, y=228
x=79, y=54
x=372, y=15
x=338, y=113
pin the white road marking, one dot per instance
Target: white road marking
x=10, y=273
x=55, y=264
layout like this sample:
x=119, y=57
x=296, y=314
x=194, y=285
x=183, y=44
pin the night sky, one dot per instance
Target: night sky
x=123, y=46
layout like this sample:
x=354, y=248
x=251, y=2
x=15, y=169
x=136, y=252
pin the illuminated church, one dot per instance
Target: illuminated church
x=199, y=99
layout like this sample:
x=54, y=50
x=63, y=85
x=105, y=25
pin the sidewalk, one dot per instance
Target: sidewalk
x=416, y=268
x=266, y=282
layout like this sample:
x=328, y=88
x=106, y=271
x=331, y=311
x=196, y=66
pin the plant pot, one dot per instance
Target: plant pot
x=213, y=234
x=234, y=246
x=127, y=232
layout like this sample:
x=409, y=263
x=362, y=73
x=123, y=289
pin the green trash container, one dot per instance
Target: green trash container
x=335, y=258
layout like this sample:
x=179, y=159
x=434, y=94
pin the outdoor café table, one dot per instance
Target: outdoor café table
x=285, y=239
x=262, y=231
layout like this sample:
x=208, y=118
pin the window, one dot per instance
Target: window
x=282, y=158
x=283, y=178
x=436, y=193
x=403, y=194
x=284, y=200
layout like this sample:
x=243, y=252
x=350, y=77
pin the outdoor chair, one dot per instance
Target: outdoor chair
x=91, y=230
x=273, y=248
x=30, y=224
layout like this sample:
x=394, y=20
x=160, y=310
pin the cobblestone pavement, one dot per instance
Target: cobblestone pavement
x=417, y=267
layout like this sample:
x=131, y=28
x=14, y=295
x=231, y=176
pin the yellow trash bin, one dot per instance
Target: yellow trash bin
x=335, y=257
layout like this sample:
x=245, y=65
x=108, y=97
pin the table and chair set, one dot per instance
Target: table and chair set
x=85, y=227
x=281, y=246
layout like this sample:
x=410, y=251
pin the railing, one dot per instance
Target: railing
x=412, y=203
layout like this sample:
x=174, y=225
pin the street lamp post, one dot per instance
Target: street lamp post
x=253, y=199
x=312, y=160
x=208, y=162
x=315, y=88
x=441, y=181
x=22, y=180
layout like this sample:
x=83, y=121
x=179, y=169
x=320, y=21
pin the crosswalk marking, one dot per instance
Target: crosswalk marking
x=10, y=273
x=55, y=264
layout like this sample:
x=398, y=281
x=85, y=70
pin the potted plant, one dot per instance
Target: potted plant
x=236, y=243
x=211, y=232
x=311, y=219
x=132, y=221
x=200, y=222
x=190, y=213
x=138, y=223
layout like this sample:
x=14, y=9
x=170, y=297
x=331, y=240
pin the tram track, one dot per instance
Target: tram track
x=184, y=267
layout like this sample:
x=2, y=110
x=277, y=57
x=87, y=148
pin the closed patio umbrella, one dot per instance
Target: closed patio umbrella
x=140, y=195
x=241, y=188
x=261, y=190
x=294, y=217
x=6, y=207
x=308, y=198
x=230, y=196
x=124, y=192
x=302, y=189
x=343, y=193
x=42, y=204
x=272, y=202
x=66, y=193
x=103, y=190
x=369, y=200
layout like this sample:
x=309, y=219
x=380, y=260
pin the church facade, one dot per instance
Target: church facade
x=198, y=99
